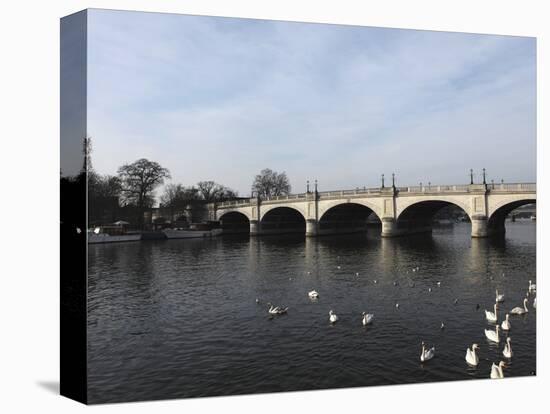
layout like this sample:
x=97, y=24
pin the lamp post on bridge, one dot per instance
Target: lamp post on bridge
x=471, y=176
x=307, y=186
x=316, y=192
x=484, y=180
x=382, y=180
x=393, y=180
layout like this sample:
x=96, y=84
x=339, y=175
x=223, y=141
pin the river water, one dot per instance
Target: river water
x=179, y=318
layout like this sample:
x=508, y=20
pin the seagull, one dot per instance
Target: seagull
x=338, y=267
x=277, y=310
x=429, y=289
x=397, y=305
x=313, y=294
x=442, y=325
x=375, y=281
x=456, y=301
x=427, y=354
x=257, y=300
x=438, y=284
x=332, y=317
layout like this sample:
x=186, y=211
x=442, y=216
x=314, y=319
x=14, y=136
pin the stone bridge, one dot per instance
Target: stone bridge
x=401, y=210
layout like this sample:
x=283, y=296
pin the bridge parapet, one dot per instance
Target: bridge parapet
x=425, y=189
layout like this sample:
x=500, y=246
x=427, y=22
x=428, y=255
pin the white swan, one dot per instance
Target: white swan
x=535, y=303
x=313, y=294
x=506, y=325
x=507, y=352
x=499, y=298
x=492, y=335
x=276, y=310
x=491, y=316
x=532, y=287
x=367, y=318
x=518, y=310
x=426, y=354
x=471, y=356
x=332, y=317
x=496, y=370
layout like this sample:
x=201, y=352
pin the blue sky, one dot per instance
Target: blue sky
x=220, y=99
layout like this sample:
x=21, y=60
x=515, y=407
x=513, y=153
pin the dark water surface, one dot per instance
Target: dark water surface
x=178, y=318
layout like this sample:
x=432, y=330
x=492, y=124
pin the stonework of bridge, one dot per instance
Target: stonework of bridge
x=401, y=210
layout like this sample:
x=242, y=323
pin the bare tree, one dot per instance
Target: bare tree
x=211, y=191
x=176, y=197
x=139, y=181
x=270, y=183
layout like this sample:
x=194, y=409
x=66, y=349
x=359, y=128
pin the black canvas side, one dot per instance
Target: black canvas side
x=73, y=188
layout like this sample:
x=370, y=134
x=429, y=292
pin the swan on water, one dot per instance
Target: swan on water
x=471, y=356
x=535, y=303
x=276, y=310
x=506, y=325
x=426, y=354
x=313, y=294
x=518, y=310
x=367, y=318
x=499, y=298
x=496, y=370
x=507, y=352
x=491, y=316
x=332, y=317
x=492, y=336
x=532, y=287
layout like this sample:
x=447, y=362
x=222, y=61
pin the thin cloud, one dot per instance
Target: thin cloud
x=217, y=98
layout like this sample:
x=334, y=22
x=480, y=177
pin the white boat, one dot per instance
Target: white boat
x=190, y=234
x=94, y=238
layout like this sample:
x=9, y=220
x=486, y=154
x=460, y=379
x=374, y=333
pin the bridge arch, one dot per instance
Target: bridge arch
x=234, y=221
x=325, y=206
x=346, y=217
x=282, y=219
x=499, y=212
x=418, y=216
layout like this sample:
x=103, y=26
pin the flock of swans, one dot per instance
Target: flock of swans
x=428, y=353
x=494, y=335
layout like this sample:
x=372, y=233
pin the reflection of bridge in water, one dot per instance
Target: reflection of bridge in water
x=401, y=210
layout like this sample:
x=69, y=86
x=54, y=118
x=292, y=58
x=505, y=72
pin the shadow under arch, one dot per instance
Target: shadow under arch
x=496, y=223
x=282, y=220
x=420, y=217
x=234, y=222
x=347, y=218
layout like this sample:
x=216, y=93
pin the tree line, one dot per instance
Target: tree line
x=131, y=193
